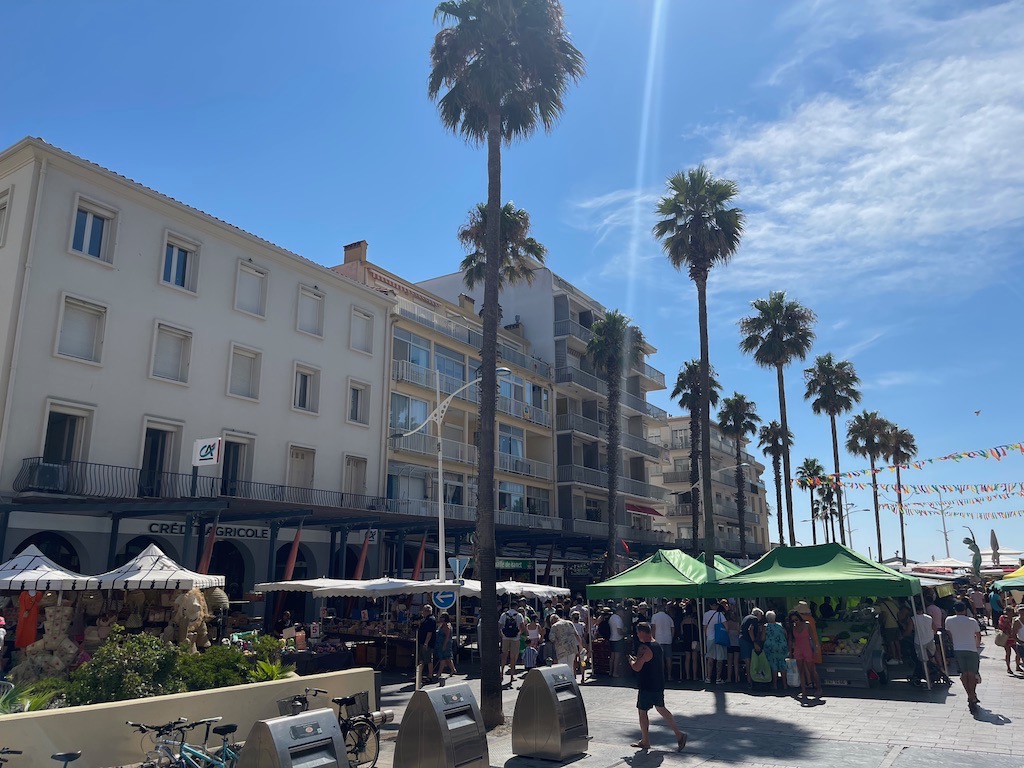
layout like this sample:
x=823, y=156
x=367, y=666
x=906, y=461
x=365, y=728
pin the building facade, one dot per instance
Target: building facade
x=134, y=325
x=673, y=475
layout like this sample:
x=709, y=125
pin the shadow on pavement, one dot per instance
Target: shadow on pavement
x=987, y=716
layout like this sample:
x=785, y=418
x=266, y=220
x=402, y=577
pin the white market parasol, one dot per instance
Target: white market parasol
x=152, y=569
x=32, y=570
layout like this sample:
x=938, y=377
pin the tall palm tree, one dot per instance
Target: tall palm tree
x=698, y=229
x=687, y=392
x=827, y=508
x=773, y=440
x=614, y=348
x=808, y=475
x=832, y=389
x=519, y=251
x=900, y=447
x=779, y=332
x=737, y=419
x=499, y=69
x=864, y=434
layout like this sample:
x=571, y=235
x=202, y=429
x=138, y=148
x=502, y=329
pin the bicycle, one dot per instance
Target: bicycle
x=176, y=752
x=4, y=751
x=360, y=731
x=61, y=757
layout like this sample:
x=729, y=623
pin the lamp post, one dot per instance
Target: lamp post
x=437, y=418
x=846, y=516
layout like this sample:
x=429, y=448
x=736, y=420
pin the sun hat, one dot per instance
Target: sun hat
x=802, y=607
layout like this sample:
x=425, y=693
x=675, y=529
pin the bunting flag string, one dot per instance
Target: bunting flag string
x=998, y=453
x=950, y=489
x=952, y=502
x=968, y=515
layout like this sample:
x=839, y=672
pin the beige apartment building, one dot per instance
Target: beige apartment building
x=673, y=474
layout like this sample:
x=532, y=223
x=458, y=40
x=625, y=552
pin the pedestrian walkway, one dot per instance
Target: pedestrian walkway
x=897, y=726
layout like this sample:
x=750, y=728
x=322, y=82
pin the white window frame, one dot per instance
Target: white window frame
x=247, y=438
x=313, y=395
x=192, y=247
x=186, y=363
x=289, y=480
x=176, y=428
x=84, y=411
x=248, y=266
x=310, y=292
x=364, y=402
x=366, y=315
x=109, y=243
x=257, y=355
x=6, y=196
x=89, y=305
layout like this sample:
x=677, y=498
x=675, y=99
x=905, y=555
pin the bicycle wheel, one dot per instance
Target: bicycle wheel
x=362, y=742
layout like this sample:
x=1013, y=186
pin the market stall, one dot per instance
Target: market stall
x=666, y=573
x=721, y=564
x=35, y=588
x=851, y=642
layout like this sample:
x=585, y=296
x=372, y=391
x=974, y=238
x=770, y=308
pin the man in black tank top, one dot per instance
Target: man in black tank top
x=650, y=673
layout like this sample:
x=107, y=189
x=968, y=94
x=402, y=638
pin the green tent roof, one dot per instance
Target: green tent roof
x=1015, y=583
x=666, y=573
x=721, y=564
x=826, y=569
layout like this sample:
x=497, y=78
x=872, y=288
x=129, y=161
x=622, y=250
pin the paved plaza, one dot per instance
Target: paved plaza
x=893, y=726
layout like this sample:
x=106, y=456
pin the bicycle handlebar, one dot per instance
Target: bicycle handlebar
x=163, y=729
x=6, y=751
x=315, y=691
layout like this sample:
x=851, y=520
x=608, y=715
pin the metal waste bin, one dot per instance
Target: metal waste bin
x=550, y=721
x=307, y=740
x=442, y=728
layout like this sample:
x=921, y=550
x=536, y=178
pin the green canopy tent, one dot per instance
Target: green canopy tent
x=722, y=565
x=1005, y=584
x=666, y=573
x=825, y=569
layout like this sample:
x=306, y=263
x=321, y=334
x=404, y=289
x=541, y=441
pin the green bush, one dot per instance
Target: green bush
x=126, y=667
x=266, y=648
x=264, y=671
x=216, y=667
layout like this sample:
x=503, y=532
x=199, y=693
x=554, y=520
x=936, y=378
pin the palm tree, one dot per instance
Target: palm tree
x=778, y=333
x=827, y=507
x=614, y=348
x=864, y=434
x=773, y=441
x=519, y=251
x=900, y=447
x=499, y=70
x=698, y=230
x=687, y=392
x=808, y=475
x=833, y=387
x=737, y=419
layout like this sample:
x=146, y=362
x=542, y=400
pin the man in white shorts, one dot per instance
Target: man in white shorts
x=664, y=628
x=715, y=654
x=510, y=627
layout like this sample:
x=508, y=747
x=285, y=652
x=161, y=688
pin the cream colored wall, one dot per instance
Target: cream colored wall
x=99, y=730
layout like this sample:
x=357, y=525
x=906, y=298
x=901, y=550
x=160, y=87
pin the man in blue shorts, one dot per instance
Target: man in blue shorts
x=650, y=674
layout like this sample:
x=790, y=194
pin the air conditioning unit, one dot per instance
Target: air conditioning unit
x=51, y=478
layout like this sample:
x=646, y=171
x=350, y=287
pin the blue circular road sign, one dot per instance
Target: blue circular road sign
x=443, y=600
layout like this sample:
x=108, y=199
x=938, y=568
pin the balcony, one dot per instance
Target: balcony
x=590, y=527
x=639, y=488
x=599, y=529
x=641, y=406
x=509, y=355
x=522, y=466
x=639, y=445
x=572, y=328
x=573, y=422
x=426, y=445
x=653, y=375
x=571, y=375
x=676, y=477
x=403, y=370
x=574, y=473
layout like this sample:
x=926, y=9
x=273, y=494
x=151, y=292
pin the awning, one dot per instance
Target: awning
x=643, y=510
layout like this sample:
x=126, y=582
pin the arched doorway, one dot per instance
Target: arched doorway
x=227, y=561
x=55, y=547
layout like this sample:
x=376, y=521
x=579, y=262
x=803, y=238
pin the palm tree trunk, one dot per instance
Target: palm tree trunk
x=490, y=673
x=814, y=523
x=785, y=456
x=899, y=504
x=694, y=478
x=740, y=500
x=614, y=397
x=832, y=521
x=838, y=483
x=878, y=521
x=705, y=421
x=778, y=499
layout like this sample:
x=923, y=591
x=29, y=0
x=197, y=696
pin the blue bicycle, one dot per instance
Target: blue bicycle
x=172, y=750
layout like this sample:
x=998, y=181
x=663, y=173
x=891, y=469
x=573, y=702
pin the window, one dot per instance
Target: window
x=93, y=230
x=172, y=351
x=510, y=440
x=311, y=311
x=512, y=388
x=66, y=437
x=362, y=331
x=407, y=413
x=411, y=348
x=538, y=501
x=451, y=366
x=181, y=263
x=251, y=290
x=306, y=395
x=5, y=197
x=81, y=330
x=359, y=402
x=511, y=497
x=244, y=376
x=540, y=398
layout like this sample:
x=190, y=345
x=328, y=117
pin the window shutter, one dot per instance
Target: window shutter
x=243, y=370
x=250, y=290
x=362, y=332
x=79, y=331
x=170, y=354
x=309, y=312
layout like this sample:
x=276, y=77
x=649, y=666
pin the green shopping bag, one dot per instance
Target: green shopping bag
x=760, y=669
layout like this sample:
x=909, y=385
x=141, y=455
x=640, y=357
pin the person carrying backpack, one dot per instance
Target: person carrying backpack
x=510, y=624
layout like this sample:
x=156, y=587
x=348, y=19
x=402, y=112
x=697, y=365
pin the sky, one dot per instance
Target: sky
x=878, y=148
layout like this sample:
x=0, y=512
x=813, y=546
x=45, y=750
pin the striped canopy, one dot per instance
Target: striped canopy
x=152, y=569
x=32, y=570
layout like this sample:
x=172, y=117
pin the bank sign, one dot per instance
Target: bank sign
x=223, y=531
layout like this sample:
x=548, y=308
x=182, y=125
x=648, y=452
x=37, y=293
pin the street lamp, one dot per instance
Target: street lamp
x=437, y=418
x=846, y=516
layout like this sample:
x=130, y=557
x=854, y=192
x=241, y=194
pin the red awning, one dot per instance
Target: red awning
x=643, y=510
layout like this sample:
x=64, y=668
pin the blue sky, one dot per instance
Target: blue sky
x=878, y=148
